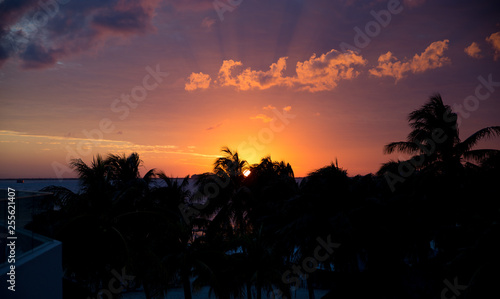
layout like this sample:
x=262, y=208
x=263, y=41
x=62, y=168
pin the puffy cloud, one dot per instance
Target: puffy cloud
x=198, y=81
x=431, y=58
x=315, y=74
x=324, y=72
x=388, y=65
x=494, y=40
x=287, y=108
x=249, y=78
x=39, y=33
x=225, y=78
x=473, y=50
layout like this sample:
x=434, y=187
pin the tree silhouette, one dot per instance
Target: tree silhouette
x=434, y=141
x=258, y=233
x=102, y=212
x=228, y=196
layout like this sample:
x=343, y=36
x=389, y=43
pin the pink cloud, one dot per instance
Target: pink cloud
x=324, y=72
x=433, y=57
x=315, y=74
x=494, y=40
x=38, y=36
x=198, y=81
x=249, y=78
x=473, y=50
x=225, y=78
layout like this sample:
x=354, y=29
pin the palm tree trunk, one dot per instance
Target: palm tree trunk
x=310, y=287
x=249, y=290
x=187, y=285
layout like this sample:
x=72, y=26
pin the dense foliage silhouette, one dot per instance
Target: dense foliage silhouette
x=253, y=236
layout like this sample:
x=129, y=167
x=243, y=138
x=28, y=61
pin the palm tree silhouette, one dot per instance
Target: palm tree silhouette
x=434, y=142
x=88, y=217
x=102, y=212
x=261, y=260
x=271, y=183
x=125, y=170
x=318, y=211
x=180, y=254
x=227, y=204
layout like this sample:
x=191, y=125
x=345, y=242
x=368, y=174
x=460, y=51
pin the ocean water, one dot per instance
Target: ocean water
x=71, y=184
x=36, y=185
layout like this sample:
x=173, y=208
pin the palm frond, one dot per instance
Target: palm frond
x=402, y=146
x=420, y=135
x=429, y=109
x=391, y=166
x=479, y=156
x=225, y=149
x=63, y=195
x=149, y=175
x=165, y=178
x=487, y=132
x=81, y=167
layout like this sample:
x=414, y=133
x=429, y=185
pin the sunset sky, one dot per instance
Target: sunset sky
x=307, y=82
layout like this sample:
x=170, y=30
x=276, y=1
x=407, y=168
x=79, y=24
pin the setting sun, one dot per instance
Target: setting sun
x=246, y=172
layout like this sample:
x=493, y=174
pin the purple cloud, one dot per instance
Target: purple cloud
x=39, y=33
